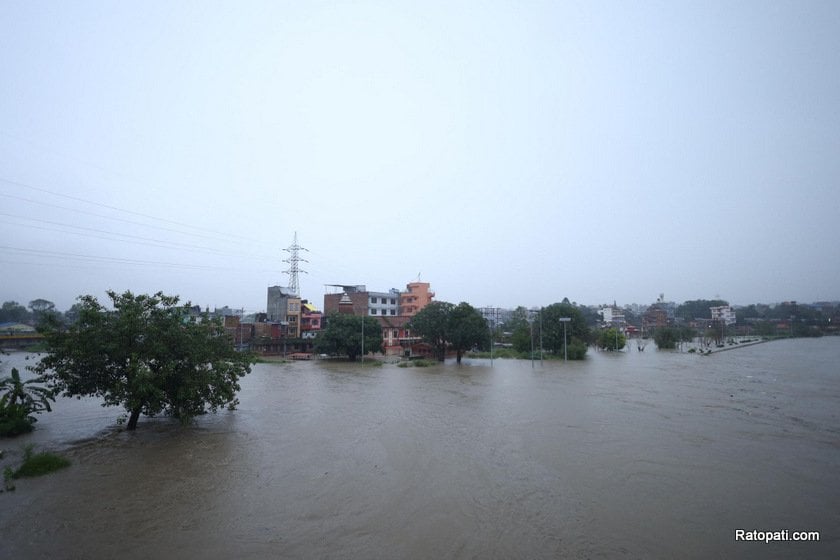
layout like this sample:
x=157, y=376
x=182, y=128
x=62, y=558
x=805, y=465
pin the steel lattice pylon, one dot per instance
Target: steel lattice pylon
x=294, y=270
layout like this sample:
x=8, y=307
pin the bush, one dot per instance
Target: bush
x=665, y=338
x=14, y=426
x=418, y=363
x=576, y=349
x=37, y=464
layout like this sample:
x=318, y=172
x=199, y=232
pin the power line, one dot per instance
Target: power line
x=136, y=239
x=97, y=259
x=117, y=209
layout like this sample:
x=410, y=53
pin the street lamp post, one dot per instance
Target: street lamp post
x=491, y=343
x=531, y=323
x=565, y=320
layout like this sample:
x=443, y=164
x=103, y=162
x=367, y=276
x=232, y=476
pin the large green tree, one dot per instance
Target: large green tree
x=41, y=309
x=447, y=326
x=342, y=336
x=577, y=331
x=147, y=355
x=520, y=330
x=431, y=324
x=467, y=329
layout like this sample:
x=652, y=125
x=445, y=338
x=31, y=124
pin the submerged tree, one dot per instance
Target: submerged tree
x=147, y=355
x=467, y=329
x=666, y=338
x=611, y=339
x=447, y=326
x=342, y=336
x=576, y=332
x=431, y=324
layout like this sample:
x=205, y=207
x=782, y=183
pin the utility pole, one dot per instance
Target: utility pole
x=294, y=270
x=565, y=320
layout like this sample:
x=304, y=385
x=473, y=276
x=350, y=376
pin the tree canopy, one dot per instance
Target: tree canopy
x=698, y=308
x=431, y=324
x=13, y=312
x=467, y=329
x=611, y=339
x=342, y=336
x=147, y=355
x=666, y=338
x=577, y=331
x=444, y=325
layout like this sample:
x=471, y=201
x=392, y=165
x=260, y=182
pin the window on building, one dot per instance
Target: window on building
x=393, y=312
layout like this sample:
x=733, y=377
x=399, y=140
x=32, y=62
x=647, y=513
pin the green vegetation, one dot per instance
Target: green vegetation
x=500, y=353
x=417, y=363
x=8, y=475
x=38, y=464
x=524, y=328
x=19, y=400
x=342, y=336
x=264, y=360
x=148, y=355
x=431, y=324
x=698, y=308
x=577, y=349
x=447, y=326
x=611, y=339
x=666, y=338
x=559, y=341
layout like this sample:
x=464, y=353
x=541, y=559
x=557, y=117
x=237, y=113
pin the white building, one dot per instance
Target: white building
x=723, y=313
x=384, y=303
x=612, y=315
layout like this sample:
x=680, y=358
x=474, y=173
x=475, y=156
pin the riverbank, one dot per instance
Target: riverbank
x=739, y=345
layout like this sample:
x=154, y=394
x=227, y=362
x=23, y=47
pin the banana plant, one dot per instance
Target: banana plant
x=23, y=398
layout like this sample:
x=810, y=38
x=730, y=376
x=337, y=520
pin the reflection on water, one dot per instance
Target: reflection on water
x=634, y=455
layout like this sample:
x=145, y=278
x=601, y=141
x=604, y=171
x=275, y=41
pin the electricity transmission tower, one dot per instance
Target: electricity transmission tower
x=294, y=269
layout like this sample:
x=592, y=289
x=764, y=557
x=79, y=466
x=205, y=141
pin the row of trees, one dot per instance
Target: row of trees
x=13, y=312
x=543, y=326
x=447, y=327
x=442, y=325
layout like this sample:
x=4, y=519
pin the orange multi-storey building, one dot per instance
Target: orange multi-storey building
x=416, y=297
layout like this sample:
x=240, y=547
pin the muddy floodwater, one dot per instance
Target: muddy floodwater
x=626, y=455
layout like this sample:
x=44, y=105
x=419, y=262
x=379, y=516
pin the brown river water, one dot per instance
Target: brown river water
x=624, y=455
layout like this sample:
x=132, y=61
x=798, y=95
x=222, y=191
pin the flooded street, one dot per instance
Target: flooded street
x=634, y=455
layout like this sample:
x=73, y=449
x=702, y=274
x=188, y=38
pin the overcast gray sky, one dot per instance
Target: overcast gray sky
x=510, y=153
